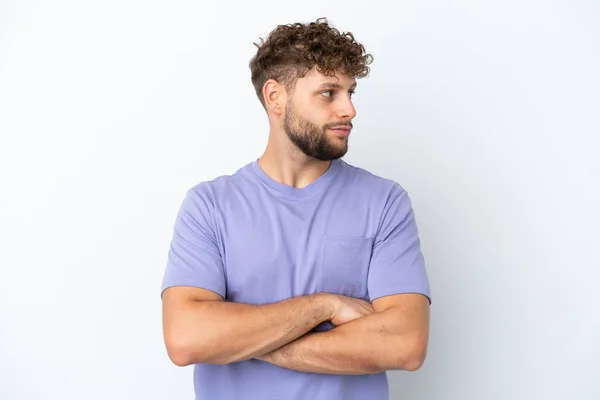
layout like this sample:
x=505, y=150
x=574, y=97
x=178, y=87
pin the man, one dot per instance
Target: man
x=299, y=276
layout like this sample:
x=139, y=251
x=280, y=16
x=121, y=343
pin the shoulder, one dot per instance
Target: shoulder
x=208, y=194
x=220, y=185
x=372, y=183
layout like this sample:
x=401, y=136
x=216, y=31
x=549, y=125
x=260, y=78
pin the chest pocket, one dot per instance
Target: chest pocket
x=344, y=265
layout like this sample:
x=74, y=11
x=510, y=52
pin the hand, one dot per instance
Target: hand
x=346, y=309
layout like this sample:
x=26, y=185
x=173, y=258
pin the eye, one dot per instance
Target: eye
x=330, y=93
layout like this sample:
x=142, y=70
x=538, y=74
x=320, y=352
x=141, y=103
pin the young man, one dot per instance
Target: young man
x=299, y=276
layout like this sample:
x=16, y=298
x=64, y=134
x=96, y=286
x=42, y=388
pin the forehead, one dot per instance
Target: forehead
x=315, y=79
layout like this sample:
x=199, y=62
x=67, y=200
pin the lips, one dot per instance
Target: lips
x=341, y=131
x=342, y=128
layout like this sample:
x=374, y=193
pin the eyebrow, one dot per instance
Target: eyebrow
x=331, y=85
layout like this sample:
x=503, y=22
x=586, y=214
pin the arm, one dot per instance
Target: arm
x=394, y=337
x=199, y=327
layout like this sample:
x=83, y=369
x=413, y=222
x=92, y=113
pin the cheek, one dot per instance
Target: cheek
x=312, y=117
x=317, y=111
x=320, y=115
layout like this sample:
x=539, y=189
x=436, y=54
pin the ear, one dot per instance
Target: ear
x=275, y=96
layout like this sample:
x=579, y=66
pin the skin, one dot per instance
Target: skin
x=391, y=333
x=300, y=148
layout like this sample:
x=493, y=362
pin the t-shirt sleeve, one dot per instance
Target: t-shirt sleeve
x=397, y=264
x=194, y=258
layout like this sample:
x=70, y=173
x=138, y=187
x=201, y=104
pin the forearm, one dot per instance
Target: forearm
x=367, y=345
x=220, y=332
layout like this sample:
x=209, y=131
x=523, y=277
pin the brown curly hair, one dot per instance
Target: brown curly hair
x=291, y=51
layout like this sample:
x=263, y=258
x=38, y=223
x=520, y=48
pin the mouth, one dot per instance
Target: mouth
x=341, y=130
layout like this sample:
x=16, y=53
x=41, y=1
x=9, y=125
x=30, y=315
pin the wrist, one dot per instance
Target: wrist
x=325, y=306
x=265, y=357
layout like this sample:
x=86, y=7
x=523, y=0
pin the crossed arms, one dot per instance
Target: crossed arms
x=389, y=334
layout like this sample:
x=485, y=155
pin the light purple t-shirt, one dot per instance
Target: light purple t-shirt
x=254, y=240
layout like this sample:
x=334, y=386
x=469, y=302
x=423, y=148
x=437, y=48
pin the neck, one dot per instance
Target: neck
x=285, y=164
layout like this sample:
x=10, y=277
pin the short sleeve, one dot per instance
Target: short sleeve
x=194, y=258
x=397, y=264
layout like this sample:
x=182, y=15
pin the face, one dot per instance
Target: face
x=318, y=105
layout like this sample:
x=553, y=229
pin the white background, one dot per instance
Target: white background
x=487, y=112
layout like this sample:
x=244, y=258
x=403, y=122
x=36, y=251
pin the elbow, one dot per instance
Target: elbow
x=413, y=363
x=178, y=351
x=182, y=352
x=410, y=359
x=179, y=358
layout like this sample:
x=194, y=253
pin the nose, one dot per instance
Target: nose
x=346, y=109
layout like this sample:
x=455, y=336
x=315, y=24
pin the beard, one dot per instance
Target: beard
x=312, y=140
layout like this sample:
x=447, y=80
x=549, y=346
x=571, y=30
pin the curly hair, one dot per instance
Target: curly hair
x=291, y=51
